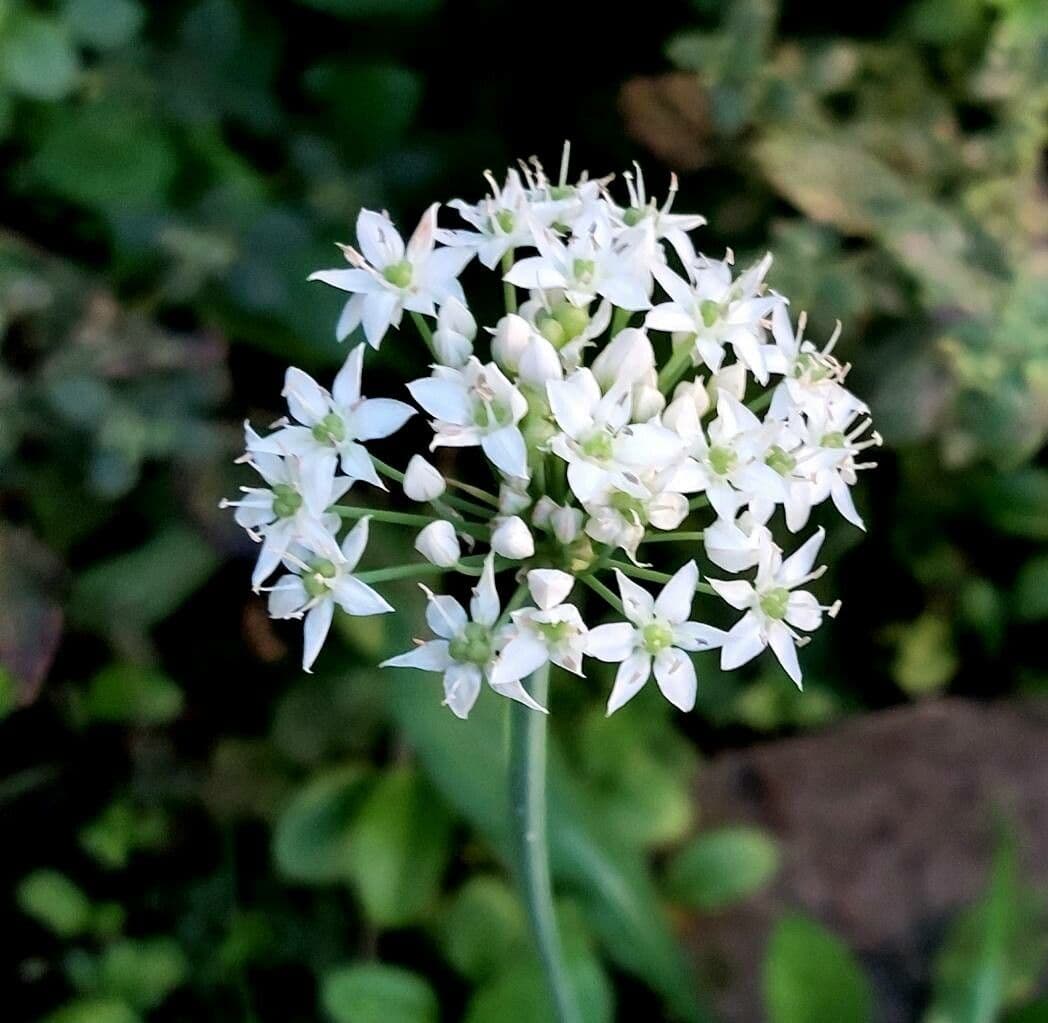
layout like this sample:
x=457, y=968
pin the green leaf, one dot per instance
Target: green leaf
x=466, y=762
x=139, y=589
x=925, y=659
x=104, y=24
x=133, y=694
x=375, y=993
x=1030, y=597
x=36, y=57
x=994, y=951
x=1017, y=502
x=108, y=156
x=55, y=902
x=482, y=927
x=312, y=840
x=143, y=972
x=400, y=845
x=1035, y=1012
x=722, y=866
x=367, y=9
x=811, y=977
x=94, y=1010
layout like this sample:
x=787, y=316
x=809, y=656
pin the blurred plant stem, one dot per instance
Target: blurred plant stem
x=527, y=793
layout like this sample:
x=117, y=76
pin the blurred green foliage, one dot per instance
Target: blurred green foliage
x=205, y=834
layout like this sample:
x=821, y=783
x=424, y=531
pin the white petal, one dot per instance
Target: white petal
x=737, y=592
x=420, y=244
x=445, y=615
x=306, y=399
x=549, y=586
x=461, y=688
x=675, y=600
x=355, y=542
x=675, y=675
x=516, y=691
x=612, y=642
x=484, y=607
x=346, y=388
x=379, y=312
x=431, y=656
x=379, y=241
x=287, y=597
x=840, y=493
x=349, y=319
x=780, y=640
x=507, y=451
x=803, y=611
x=316, y=474
x=317, y=624
x=379, y=417
x=800, y=562
x=572, y=401
x=637, y=602
x=522, y=655
x=355, y=280
x=445, y=399
x=697, y=636
x=357, y=464
x=357, y=598
x=743, y=642
x=629, y=680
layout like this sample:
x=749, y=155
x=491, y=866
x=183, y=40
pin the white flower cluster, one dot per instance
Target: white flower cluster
x=636, y=384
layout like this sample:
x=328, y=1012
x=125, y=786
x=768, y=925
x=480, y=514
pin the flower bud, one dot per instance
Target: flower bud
x=730, y=380
x=451, y=349
x=511, y=338
x=648, y=402
x=627, y=359
x=513, y=539
x=549, y=587
x=696, y=392
x=539, y=362
x=422, y=481
x=438, y=544
x=455, y=317
x=513, y=500
x=566, y=523
x=544, y=507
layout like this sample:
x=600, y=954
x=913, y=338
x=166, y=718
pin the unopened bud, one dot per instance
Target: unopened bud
x=511, y=338
x=512, y=539
x=422, y=481
x=438, y=544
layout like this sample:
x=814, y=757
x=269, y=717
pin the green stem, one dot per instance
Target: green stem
x=651, y=576
x=667, y=537
x=406, y=519
x=620, y=320
x=698, y=502
x=527, y=792
x=676, y=367
x=468, y=488
x=426, y=332
x=760, y=403
x=508, y=290
x=449, y=499
x=599, y=588
x=468, y=566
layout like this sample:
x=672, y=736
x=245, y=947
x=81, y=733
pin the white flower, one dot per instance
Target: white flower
x=718, y=311
x=317, y=584
x=453, y=338
x=512, y=539
x=388, y=277
x=601, y=450
x=773, y=604
x=509, y=339
x=620, y=519
x=332, y=424
x=292, y=509
x=735, y=545
x=422, y=481
x=627, y=359
x=587, y=266
x=729, y=466
x=571, y=329
x=674, y=227
x=476, y=405
x=438, y=544
x=656, y=635
x=552, y=631
x=563, y=520
x=466, y=647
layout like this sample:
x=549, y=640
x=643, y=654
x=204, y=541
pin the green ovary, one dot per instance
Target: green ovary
x=835, y=439
x=722, y=460
x=330, y=430
x=781, y=461
x=631, y=508
x=398, y=274
x=286, y=501
x=598, y=446
x=656, y=637
x=774, y=602
x=316, y=581
x=472, y=645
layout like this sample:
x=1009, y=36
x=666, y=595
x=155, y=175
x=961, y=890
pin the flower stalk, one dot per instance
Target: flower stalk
x=527, y=793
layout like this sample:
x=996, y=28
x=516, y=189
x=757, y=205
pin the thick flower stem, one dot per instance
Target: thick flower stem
x=527, y=792
x=675, y=367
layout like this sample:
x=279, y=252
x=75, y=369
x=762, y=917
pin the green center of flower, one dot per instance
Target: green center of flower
x=710, y=312
x=808, y=365
x=472, y=645
x=722, y=460
x=506, y=221
x=286, y=501
x=573, y=319
x=330, y=429
x=398, y=274
x=316, y=580
x=583, y=270
x=773, y=602
x=490, y=415
x=553, y=331
x=559, y=192
x=555, y=633
x=781, y=461
x=656, y=637
x=598, y=446
x=629, y=507
x=834, y=439
x=634, y=215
